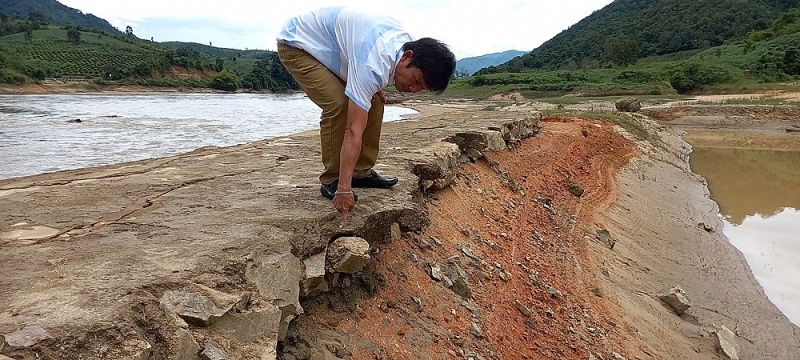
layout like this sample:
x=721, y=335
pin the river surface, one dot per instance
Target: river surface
x=38, y=136
x=758, y=192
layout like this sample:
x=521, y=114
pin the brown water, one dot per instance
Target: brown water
x=758, y=192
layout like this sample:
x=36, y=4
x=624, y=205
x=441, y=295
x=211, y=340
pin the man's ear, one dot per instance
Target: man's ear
x=407, y=55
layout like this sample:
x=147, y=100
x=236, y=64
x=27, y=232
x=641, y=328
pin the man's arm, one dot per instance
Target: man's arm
x=351, y=149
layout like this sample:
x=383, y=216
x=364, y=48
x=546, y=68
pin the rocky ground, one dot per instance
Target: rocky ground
x=551, y=239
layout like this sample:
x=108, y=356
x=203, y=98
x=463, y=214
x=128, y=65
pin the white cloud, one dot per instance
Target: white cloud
x=470, y=27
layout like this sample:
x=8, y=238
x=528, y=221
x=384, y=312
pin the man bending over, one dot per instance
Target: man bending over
x=343, y=59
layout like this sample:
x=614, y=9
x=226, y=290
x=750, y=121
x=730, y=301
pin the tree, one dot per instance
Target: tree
x=621, y=52
x=129, y=30
x=37, y=16
x=74, y=36
x=791, y=62
x=226, y=81
x=283, y=79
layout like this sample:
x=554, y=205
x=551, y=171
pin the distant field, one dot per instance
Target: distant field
x=53, y=55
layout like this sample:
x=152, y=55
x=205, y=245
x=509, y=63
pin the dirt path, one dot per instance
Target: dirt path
x=89, y=255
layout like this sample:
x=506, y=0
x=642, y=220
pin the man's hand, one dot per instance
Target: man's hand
x=351, y=148
x=344, y=203
x=382, y=95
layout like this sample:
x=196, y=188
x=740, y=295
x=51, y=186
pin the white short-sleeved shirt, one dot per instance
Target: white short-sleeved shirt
x=361, y=48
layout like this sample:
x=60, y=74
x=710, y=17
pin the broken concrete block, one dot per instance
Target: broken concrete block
x=222, y=300
x=213, y=352
x=277, y=277
x=192, y=307
x=347, y=255
x=439, y=167
x=186, y=347
x=250, y=326
x=727, y=341
x=314, y=274
x=676, y=299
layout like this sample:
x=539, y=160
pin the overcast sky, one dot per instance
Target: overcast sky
x=470, y=27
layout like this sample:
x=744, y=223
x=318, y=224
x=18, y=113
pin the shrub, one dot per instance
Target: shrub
x=692, y=76
x=226, y=81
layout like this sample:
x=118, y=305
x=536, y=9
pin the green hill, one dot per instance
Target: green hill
x=627, y=30
x=99, y=56
x=54, y=13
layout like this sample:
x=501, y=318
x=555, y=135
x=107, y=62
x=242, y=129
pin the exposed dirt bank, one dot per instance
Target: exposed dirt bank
x=664, y=232
x=87, y=254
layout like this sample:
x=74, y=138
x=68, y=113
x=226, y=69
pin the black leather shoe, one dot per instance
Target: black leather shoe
x=329, y=191
x=374, y=181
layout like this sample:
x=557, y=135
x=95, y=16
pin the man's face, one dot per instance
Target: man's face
x=408, y=79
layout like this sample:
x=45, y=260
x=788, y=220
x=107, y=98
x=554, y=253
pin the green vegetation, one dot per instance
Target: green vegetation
x=733, y=67
x=54, y=13
x=630, y=47
x=32, y=52
x=635, y=29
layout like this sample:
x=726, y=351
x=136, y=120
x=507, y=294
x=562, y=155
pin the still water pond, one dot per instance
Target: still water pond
x=36, y=135
x=758, y=192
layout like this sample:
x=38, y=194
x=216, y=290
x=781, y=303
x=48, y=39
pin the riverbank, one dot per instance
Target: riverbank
x=90, y=254
x=92, y=88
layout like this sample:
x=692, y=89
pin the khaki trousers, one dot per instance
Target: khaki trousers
x=326, y=90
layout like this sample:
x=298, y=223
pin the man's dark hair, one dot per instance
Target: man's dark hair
x=435, y=60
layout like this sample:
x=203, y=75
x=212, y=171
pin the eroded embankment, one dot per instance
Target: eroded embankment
x=544, y=279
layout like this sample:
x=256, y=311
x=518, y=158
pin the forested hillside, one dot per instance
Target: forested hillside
x=627, y=30
x=53, y=12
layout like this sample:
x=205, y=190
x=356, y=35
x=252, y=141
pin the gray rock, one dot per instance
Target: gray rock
x=727, y=341
x=222, y=300
x=27, y=336
x=248, y=327
x=676, y=299
x=440, y=165
x=314, y=274
x=3, y=357
x=213, y=352
x=192, y=307
x=453, y=271
x=277, y=278
x=395, y=234
x=187, y=348
x=475, y=330
x=283, y=327
x=617, y=356
x=628, y=104
x=522, y=308
x=347, y=255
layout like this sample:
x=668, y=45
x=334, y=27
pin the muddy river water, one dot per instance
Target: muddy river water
x=758, y=192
